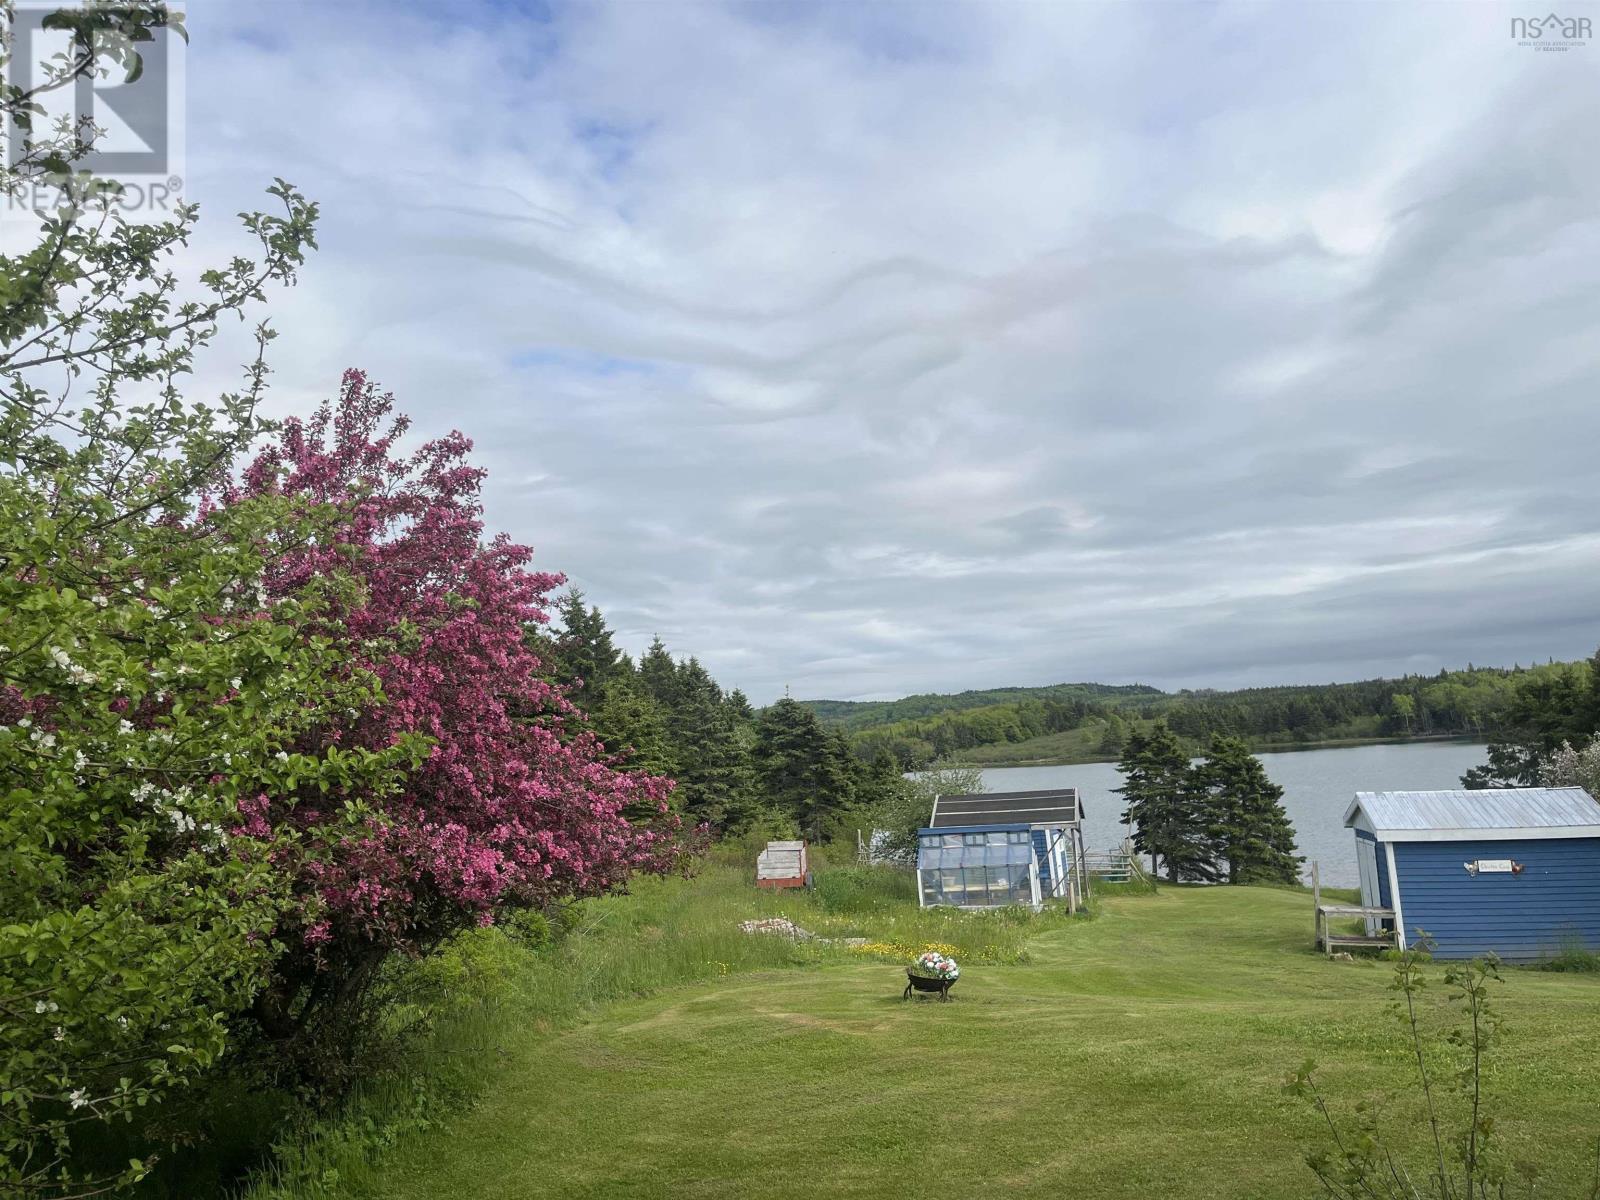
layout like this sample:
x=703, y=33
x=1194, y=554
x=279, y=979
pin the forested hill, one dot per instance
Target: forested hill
x=853, y=715
x=1080, y=721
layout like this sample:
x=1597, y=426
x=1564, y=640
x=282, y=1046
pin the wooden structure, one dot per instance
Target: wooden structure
x=1331, y=940
x=783, y=865
x=991, y=849
x=1513, y=871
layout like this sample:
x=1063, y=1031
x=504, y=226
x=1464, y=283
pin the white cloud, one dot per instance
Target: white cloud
x=869, y=349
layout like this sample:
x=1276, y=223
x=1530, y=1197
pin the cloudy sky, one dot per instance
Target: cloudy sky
x=892, y=347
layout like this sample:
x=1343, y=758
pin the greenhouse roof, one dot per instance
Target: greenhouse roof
x=1054, y=806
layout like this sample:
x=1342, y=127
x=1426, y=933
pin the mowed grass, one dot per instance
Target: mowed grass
x=1137, y=1053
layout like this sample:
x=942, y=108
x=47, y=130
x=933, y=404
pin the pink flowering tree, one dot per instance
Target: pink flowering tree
x=513, y=806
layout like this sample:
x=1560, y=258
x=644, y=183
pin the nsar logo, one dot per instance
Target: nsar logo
x=1552, y=32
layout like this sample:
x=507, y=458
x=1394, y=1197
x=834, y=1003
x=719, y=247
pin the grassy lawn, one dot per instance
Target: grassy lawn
x=1138, y=1053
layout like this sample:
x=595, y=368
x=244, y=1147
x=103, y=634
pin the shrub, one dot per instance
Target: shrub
x=1464, y=1164
x=511, y=809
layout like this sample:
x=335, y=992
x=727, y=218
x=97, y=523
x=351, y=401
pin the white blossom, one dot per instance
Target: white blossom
x=79, y=1098
x=45, y=1006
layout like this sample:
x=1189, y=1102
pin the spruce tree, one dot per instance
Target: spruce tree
x=714, y=773
x=804, y=771
x=659, y=675
x=584, y=652
x=1114, y=740
x=1167, y=823
x=739, y=704
x=631, y=724
x=1244, y=815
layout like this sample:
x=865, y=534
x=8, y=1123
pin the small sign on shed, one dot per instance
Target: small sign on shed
x=783, y=865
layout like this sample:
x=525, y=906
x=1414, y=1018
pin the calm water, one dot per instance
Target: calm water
x=1317, y=788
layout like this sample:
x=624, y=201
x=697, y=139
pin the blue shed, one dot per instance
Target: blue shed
x=1515, y=871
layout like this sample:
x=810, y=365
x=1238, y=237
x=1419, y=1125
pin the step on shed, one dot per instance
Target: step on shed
x=1515, y=871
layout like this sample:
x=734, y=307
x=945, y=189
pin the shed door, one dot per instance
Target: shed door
x=1367, y=865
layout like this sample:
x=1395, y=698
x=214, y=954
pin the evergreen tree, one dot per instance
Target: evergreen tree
x=631, y=724
x=584, y=651
x=739, y=704
x=1167, y=823
x=714, y=775
x=804, y=771
x=1115, y=738
x=659, y=675
x=1244, y=815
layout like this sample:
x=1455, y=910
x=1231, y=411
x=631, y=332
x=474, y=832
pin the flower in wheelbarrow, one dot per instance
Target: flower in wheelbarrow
x=934, y=965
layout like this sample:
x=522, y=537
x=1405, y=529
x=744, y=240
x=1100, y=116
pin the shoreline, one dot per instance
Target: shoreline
x=1255, y=748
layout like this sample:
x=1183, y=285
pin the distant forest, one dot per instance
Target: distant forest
x=1086, y=721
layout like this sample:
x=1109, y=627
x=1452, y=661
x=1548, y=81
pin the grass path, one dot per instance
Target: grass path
x=1139, y=1054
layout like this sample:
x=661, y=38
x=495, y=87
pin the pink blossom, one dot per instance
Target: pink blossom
x=513, y=806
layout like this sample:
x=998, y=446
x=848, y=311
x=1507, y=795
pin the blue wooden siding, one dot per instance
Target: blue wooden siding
x=1553, y=904
x=1384, y=900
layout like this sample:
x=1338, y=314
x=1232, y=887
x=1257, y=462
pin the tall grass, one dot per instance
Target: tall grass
x=489, y=989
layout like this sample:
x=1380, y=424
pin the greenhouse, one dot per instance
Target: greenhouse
x=994, y=849
x=977, y=868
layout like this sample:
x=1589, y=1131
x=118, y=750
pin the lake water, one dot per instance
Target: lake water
x=1317, y=787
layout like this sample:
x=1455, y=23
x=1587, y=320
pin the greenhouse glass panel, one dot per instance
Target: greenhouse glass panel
x=1022, y=886
x=999, y=889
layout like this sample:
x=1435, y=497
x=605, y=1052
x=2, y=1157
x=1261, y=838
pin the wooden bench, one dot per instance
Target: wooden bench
x=1329, y=941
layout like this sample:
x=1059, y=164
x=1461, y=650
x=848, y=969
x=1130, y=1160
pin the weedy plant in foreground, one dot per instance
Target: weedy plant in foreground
x=1464, y=1164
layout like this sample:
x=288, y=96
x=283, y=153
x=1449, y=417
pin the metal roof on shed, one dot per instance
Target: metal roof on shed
x=1052, y=806
x=1460, y=814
